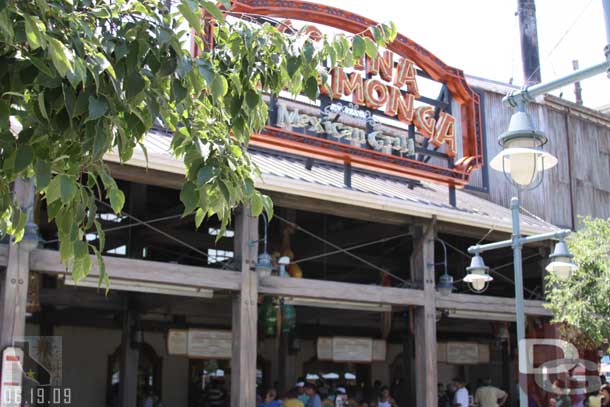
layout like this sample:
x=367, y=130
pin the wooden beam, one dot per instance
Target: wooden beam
x=245, y=314
x=485, y=303
x=337, y=209
x=425, y=320
x=47, y=261
x=331, y=291
x=14, y=291
x=133, y=173
x=128, y=385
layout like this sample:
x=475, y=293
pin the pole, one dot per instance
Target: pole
x=529, y=42
x=606, y=4
x=518, y=264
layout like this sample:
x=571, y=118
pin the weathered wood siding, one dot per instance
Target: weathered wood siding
x=580, y=183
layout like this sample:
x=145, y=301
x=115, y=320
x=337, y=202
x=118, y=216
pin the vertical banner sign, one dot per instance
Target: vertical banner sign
x=12, y=370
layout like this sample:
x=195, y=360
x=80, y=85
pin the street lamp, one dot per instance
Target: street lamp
x=561, y=261
x=522, y=160
x=478, y=277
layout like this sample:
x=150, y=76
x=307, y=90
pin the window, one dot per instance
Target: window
x=217, y=256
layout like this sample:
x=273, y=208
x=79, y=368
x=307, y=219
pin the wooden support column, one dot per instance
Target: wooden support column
x=13, y=296
x=422, y=262
x=128, y=376
x=245, y=315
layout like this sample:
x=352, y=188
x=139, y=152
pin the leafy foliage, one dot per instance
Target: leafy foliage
x=83, y=77
x=583, y=301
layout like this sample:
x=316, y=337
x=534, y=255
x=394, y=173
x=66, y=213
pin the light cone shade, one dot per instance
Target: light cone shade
x=477, y=275
x=445, y=284
x=561, y=262
x=523, y=164
x=264, y=266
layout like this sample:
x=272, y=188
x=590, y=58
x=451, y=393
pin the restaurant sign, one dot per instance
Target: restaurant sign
x=376, y=115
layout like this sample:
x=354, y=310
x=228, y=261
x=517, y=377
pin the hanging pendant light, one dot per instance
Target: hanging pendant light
x=522, y=160
x=561, y=261
x=445, y=284
x=478, y=277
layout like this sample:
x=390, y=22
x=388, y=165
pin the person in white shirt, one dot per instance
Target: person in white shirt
x=461, y=397
x=489, y=396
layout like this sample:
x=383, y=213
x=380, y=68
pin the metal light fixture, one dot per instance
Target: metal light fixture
x=445, y=284
x=561, y=261
x=522, y=160
x=264, y=264
x=478, y=277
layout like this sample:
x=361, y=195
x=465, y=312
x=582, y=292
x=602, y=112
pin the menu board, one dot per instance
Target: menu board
x=462, y=353
x=325, y=348
x=484, y=353
x=203, y=344
x=200, y=343
x=346, y=349
x=177, y=342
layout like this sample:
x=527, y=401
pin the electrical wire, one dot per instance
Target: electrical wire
x=494, y=269
x=368, y=263
x=560, y=39
x=131, y=225
x=358, y=246
x=141, y=222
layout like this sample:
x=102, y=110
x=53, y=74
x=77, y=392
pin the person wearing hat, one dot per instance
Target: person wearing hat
x=341, y=399
x=312, y=393
x=301, y=392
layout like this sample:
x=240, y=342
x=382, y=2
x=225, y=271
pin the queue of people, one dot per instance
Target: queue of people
x=330, y=395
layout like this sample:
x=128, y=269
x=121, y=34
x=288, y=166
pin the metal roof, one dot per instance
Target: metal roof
x=289, y=174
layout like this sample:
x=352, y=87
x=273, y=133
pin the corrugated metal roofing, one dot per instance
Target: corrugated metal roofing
x=289, y=174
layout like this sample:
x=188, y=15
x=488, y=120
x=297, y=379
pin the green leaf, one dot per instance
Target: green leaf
x=101, y=235
x=370, y=48
x=34, y=29
x=53, y=190
x=358, y=47
x=292, y=65
x=101, y=267
x=66, y=250
x=252, y=99
x=205, y=174
x=256, y=204
x=117, y=199
x=268, y=206
x=134, y=84
x=82, y=261
x=97, y=107
x=311, y=88
x=41, y=106
x=199, y=217
x=190, y=15
x=67, y=188
x=42, y=170
x=189, y=196
x=308, y=51
x=60, y=55
x=211, y=8
x=219, y=86
x=23, y=157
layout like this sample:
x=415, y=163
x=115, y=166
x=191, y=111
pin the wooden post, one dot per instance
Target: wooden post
x=128, y=376
x=425, y=320
x=13, y=297
x=245, y=315
x=529, y=42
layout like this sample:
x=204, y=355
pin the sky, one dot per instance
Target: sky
x=481, y=37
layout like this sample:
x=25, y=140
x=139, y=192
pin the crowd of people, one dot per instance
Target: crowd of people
x=305, y=394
